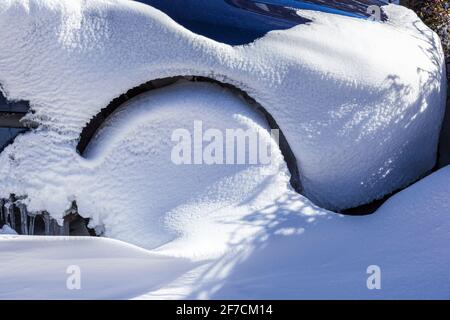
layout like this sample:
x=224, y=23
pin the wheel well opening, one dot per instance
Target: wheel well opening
x=91, y=128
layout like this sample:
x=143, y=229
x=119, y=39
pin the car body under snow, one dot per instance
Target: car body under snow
x=228, y=21
x=101, y=86
x=350, y=95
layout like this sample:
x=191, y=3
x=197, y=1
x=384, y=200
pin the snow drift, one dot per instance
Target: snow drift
x=153, y=200
x=359, y=102
x=297, y=251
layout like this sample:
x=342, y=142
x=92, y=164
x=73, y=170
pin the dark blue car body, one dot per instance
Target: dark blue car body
x=234, y=22
x=238, y=22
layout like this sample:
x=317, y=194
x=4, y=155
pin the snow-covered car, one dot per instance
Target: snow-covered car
x=349, y=94
x=111, y=110
x=234, y=22
x=229, y=21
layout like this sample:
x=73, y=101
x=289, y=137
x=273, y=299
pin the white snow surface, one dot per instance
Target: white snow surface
x=150, y=200
x=300, y=251
x=359, y=102
x=354, y=98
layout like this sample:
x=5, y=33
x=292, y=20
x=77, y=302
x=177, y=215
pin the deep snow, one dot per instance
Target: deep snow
x=353, y=97
x=39, y=266
x=300, y=251
x=362, y=122
x=151, y=200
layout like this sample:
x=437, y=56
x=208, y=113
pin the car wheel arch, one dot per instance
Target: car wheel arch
x=91, y=128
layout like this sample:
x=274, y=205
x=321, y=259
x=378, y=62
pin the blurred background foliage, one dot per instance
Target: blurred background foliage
x=436, y=14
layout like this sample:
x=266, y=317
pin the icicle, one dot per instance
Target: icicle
x=60, y=230
x=11, y=213
x=56, y=228
x=47, y=223
x=1, y=211
x=23, y=218
x=5, y=211
x=31, y=225
x=66, y=227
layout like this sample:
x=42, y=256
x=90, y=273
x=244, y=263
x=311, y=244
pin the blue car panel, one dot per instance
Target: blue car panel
x=238, y=22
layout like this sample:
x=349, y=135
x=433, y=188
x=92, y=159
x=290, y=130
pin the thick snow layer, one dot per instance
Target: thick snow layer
x=298, y=251
x=360, y=102
x=39, y=267
x=406, y=238
x=152, y=200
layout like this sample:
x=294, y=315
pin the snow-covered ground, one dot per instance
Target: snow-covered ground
x=360, y=103
x=110, y=269
x=300, y=251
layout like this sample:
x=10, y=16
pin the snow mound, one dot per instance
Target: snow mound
x=359, y=102
x=297, y=251
x=151, y=198
x=108, y=269
x=406, y=238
